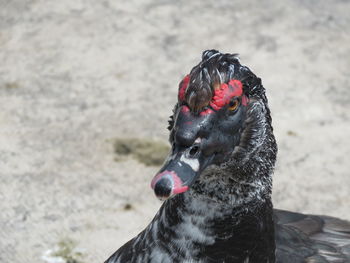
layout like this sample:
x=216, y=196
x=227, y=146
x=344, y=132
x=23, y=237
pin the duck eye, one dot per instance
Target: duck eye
x=233, y=105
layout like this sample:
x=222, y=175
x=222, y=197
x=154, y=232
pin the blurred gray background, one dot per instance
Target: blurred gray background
x=75, y=75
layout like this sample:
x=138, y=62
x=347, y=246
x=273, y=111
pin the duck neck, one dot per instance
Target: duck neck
x=214, y=231
x=228, y=213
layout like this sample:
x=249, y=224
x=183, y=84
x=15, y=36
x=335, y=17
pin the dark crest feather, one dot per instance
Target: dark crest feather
x=217, y=68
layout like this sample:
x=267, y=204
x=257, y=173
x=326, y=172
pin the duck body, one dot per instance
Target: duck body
x=217, y=182
x=205, y=232
x=310, y=238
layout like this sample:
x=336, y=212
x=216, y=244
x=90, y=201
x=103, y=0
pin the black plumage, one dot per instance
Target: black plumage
x=218, y=181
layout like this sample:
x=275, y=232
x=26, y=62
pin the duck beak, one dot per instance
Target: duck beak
x=179, y=172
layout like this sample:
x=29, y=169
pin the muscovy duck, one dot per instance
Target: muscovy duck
x=217, y=182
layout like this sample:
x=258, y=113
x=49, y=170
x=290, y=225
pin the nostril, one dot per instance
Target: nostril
x=194, y=151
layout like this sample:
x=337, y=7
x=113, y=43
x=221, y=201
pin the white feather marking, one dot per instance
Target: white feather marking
x=193, y=163
x=155, y=229
x=187, y=228
x=159, y=256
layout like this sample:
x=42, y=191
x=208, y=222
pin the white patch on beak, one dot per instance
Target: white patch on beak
x=193, y=163
x=198, y=140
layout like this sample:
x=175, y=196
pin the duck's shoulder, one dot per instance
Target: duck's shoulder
x=311, y=238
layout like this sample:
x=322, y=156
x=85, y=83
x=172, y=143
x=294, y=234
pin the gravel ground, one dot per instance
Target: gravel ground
x=74, y=75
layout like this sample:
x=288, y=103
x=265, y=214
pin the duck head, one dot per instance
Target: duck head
x=211, y=122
